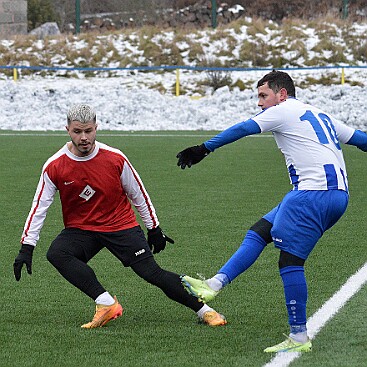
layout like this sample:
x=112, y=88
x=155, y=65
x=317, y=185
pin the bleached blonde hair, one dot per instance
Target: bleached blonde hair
x=82, y=113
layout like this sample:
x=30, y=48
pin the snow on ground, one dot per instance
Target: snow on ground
x=130, y=100
x=123, y=104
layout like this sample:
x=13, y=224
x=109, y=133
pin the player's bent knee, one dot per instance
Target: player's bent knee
x=56, y=255
x=262, y=228
x=287, y=259
x=52, y=256
x=148, y=269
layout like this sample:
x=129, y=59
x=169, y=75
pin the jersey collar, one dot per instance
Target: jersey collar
x=82, y=159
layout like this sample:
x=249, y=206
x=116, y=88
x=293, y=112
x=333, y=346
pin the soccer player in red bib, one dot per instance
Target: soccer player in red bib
x=98, y=186
x=309, y=139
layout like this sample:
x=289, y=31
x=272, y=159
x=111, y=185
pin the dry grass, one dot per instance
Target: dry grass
x=196, y=51
x=361, y=52
x=257, y=26
x=254, y=53
x=239, y=24
x=284, y=46
x=290, y=29
x=325, y=79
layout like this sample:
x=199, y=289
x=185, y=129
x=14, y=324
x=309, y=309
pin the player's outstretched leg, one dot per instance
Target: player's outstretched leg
x=170, y=284
x=290, y=345
x=198, y=288
x=250, y=249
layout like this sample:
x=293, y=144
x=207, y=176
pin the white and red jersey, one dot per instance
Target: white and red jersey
x=96, y=193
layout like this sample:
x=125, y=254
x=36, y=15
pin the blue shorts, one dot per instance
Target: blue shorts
x=303, y=216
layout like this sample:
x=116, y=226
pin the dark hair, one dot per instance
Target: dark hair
x=277, y=80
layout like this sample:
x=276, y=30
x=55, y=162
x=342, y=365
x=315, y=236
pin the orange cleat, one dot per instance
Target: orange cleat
x=213, y=318
x=104, y=314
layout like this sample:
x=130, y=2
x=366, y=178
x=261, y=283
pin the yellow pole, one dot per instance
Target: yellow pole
x=177, y=82
x=343, y=76
x=15, y=74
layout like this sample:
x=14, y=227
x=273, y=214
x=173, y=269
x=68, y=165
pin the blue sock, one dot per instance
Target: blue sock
x=244, y=257
x=295, y=291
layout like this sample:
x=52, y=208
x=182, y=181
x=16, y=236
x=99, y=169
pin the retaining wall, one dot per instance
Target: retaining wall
x=13, y=18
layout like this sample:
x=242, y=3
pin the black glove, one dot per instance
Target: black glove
x=157, y=240
x=192, y=155
x=24, y=257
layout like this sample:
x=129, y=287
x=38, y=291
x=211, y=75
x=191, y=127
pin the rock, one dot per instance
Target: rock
x=45, y=30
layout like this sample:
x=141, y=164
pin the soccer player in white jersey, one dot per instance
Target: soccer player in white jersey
x=97, y=185
x=309, y=139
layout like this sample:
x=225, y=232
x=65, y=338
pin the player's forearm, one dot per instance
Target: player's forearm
x=232, y=134
x=359, y=139
x=34, y=223
x=148, y=216
x=139, y=197
x=42, y=200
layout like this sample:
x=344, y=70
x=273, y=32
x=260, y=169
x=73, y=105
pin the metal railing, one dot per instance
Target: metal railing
x=176, y=68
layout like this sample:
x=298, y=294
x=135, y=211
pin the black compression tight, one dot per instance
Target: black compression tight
x=82, y=276
x=167, y=281
x=75, y=271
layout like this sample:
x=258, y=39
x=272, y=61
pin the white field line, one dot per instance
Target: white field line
x=329, y=309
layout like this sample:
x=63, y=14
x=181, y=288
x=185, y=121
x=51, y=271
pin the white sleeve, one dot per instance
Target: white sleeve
x=42, y=200
x=343, y=131
x=139, y=197
x=272, y=119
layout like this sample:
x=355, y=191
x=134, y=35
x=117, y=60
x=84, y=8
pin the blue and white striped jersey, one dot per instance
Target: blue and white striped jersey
x=308, y=138
x=310, y=141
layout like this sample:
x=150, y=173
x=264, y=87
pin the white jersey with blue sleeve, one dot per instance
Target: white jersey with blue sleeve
x=310, y=142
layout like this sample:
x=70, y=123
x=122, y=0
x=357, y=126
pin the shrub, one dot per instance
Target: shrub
x=217, y=78
x=39, y=12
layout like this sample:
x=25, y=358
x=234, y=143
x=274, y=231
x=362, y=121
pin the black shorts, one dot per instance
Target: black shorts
x=129, y=245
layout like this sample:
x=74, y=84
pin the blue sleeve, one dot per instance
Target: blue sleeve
x=359, y=139
x=232, y=134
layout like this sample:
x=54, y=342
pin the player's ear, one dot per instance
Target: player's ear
x=283, y=95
